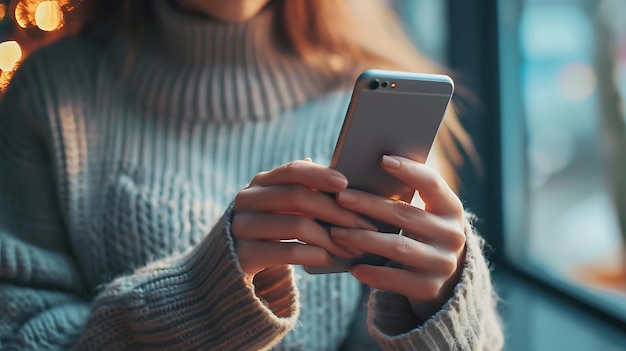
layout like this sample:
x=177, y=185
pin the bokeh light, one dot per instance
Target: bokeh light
x=43, y=13
x=551, y=150
x=48, y=16
x=3, y=11
x=5, y=78
x=577, y=81
x=35, y=23
x=25, y=13
x=10, y=54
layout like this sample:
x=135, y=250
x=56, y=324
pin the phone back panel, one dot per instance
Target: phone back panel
x=402, y=121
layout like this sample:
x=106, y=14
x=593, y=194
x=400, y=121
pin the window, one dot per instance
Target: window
x=425, y=22
x=563, y=70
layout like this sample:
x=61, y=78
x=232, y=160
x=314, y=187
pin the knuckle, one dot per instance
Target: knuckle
x=431, y=289
x=258, y=178
x=300, y=227
x=403, y=210
x=306, y=198
x=292, y=253
x=290, y=167
x=449, y=265
x=236, y=225
x=401, y=245
x=458, y=206
x=243, y=249
x=297, y=197
x=457, y=237
x=433, y=180
x=239, y=199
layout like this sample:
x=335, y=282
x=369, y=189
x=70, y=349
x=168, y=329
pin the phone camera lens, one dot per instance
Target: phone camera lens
x=374, y=84
x=384, y=84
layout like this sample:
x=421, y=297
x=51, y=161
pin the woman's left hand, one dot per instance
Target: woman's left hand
x=431, y=251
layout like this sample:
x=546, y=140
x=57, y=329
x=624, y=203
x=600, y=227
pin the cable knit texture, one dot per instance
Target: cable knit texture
x=118, y=163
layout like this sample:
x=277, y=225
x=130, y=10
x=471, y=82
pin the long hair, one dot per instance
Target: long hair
x=349, y=36
x=344, y=37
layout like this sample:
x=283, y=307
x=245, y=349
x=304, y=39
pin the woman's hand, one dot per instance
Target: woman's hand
x=430, y=251
x=283, y=204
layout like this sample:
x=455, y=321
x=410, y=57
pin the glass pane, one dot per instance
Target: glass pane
x=564, y=152
x=425, y=23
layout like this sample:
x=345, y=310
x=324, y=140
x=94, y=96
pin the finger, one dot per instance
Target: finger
x=255, y=255
x=420, y=224
x=433, y=189
x=268, y=226
x=306, y=173
x=298, y=199
x=416, y=287
x=414, y=254
x=308, y=159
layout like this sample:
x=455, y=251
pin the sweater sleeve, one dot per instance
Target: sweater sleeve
x=195, y=300
x=468, y=320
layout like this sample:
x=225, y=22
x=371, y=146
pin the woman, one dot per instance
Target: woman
x=123, y=221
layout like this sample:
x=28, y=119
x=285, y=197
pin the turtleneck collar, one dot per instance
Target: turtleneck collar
x=225, y=71
x=194, y=38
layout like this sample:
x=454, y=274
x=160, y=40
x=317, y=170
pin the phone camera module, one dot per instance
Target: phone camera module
x=374, y=84
x=384, y=84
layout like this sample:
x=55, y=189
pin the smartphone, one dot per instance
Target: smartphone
x=390, y=113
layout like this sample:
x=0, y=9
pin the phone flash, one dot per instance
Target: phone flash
x=393, y=85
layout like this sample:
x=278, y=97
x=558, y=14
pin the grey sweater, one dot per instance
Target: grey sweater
x=116, y=177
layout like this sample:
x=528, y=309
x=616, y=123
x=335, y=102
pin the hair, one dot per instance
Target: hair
x=349, y=36
x=343, y=37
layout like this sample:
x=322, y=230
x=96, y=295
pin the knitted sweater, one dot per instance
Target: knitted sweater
x=116, y=177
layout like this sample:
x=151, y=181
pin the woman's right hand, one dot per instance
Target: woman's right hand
x=284, y=204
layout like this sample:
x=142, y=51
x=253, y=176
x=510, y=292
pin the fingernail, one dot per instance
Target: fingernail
x=362, y=223
x=338, y=233
x=347, y=197
x=337, y=181
x=391, y=162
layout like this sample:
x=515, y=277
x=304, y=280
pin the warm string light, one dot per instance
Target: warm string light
x=44, y=15
x=3, y=11
x=25, y=13
x=47, y=15
x=5, y=78
x=10, y=54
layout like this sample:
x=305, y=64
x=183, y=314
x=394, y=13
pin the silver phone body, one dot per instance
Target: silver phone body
x=401, y=120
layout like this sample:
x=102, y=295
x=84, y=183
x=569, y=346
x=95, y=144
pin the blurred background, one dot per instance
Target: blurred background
x=563, y=73
x=547, y=79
